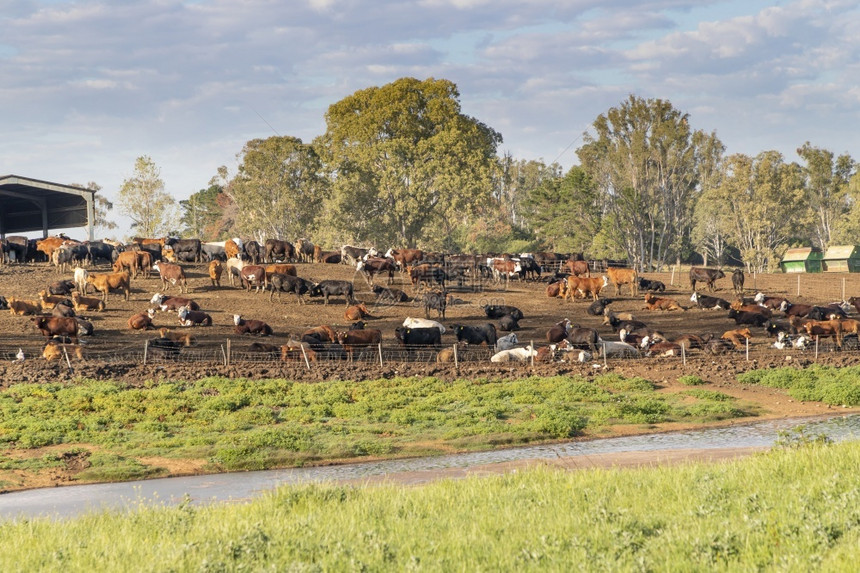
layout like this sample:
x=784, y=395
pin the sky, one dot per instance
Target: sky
x=88, y=86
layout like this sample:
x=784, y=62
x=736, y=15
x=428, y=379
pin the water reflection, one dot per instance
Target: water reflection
x=75, y=500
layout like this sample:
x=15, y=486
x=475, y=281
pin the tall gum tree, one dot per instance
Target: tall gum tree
x=646, y=161
x=143, y=199
x=402, y=159
x=826, y=180
x=278, y=190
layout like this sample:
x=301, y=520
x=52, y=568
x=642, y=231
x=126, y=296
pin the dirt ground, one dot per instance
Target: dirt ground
x=115, y=351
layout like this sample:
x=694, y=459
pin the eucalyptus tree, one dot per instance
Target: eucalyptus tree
x=201, y=213
x=143, y=198
x=565, y=212
x=646, y=161
x=403, y=159
x=758, y=204
x=279, y=188
x=826, y=180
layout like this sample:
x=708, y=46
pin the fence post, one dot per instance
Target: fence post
x=532, y=352
x=66, y=354
x=305, y=354
x=456, y=362
x=798, y=284
x=672, y=280
x=380, y=354
x=229, y=356
x=223, y=354
x=684, y=353
x=145, y=350
x=816, y=347
x=604, y=355
x=748, y=348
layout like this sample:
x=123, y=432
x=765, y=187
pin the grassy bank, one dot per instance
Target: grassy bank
x=789, y=510
x=835, y=386
x=236, y=424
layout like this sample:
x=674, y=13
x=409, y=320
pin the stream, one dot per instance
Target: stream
x=71, y=501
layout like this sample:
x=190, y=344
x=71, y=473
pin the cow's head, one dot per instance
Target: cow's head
x=694, y=297
x=237, y=319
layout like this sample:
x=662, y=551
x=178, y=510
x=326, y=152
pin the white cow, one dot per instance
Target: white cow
x=423, y=323
x=514, y=355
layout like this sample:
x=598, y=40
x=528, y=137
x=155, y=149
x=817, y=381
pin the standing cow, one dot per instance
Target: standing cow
x=707, y=276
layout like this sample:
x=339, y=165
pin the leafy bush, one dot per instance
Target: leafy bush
x=691, y=380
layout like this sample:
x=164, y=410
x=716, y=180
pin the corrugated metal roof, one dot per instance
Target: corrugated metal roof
x=841, y=252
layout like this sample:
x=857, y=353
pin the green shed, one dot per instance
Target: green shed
x=801, y=260
x=842, y=259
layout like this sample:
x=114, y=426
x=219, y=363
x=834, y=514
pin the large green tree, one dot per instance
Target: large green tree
x=143, y=199
x=757, y=205
x=202, y=213
x=279, y=189
x=405, y=161
x=646, y=161
x=826, y=179
x=564, y=212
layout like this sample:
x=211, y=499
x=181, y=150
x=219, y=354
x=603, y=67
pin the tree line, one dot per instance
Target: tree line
x=401, y=165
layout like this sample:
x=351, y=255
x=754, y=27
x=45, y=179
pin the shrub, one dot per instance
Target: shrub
x=691, y=380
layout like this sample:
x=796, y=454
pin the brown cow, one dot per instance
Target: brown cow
x=825, y=329
x=253, y=275
x=586, y=286
x=57, y=326
x=106, y=282
x=143, y=241
x=352, y=339
x=231, y=249
x=169, y=303
x=405, y=258
x=659, y=303
x=281, y=269
x=144, y=262
x=319, y=334
x=578, y=268
x=171, y=275
x=215, y=270
x=87, y=303
x=295, y=350
x=48, y=302
x=183, y=337
x=142, y=320
x=23, y=307
x=737, y=337
x=49, y=244
x=356, y=312
x=620, y=276
x=557, y=289
x=127, y=260
x=54, y=351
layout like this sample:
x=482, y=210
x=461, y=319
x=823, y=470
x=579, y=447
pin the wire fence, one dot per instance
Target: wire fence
x=226, y=354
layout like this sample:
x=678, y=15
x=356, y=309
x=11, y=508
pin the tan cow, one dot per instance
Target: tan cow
x=127, y=261
x=620, y=276
x=106, y=282
x=659, y=303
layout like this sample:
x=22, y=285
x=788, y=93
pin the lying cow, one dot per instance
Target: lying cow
x=142, y=320
x=514, y=355
x=23, y=307
x=169, y=303
x=244, y=326
x=418, y=336
x=704, y=301
x=484, y=334
x=87, y=303
x=659, y=303
x=188, y=317
x=423, y=323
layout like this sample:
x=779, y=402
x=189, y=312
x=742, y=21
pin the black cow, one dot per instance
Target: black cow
x=651, y=285
x=186, y=249
x=829, y=312
x=597, y=307
x=286, y=283
x=484, y=334
x=748, y=318
x=738, y=281
x=418, y=336
x=435, y=300
x=704, y=301
x=100, y=250
x=508, y=323
x=707, y=276
x=500, y=310
x=529, y=269
x=20, y=246
x=252, y=251
x=329, y=288
x=389, y=294
x=63, y=287
x=4, y=304
x=279, y=250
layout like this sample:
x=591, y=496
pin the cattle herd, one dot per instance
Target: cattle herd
x=563, y=313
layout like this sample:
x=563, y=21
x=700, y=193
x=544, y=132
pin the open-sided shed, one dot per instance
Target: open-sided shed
x=842, y=259
x=801, y=260
x=33, y=205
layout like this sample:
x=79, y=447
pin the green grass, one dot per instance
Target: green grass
x=240, y=424
x=792, y=509
x=831, y=385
